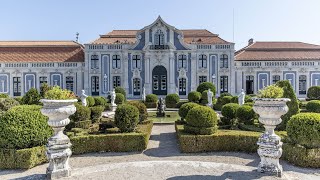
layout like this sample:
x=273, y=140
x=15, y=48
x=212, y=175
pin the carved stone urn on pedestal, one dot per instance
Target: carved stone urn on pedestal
x=270, y=145
x=58, y=147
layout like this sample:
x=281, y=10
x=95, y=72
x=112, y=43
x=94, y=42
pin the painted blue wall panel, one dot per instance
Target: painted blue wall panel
x=263, y=79
x=130, y=73
x=189, y=72
x=177, y=43
x=56, y=77
x=176, y=69
x=29, y=81
x=315, y=78
x=105, y=71
x=142, y=42
x=4, y=83
x=287, y=75
x=142, y=73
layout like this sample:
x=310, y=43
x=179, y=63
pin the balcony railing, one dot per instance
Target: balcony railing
x=156, y=47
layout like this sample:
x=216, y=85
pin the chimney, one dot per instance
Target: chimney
x=250, y=41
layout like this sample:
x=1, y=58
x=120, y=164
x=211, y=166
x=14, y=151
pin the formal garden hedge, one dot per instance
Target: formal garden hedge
x=172, y=100
x=151, y=101
x=313, y=93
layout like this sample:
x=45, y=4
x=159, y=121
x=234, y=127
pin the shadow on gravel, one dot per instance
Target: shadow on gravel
x=33, y=177
x=167, y=145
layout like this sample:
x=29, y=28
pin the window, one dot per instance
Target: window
x=69, y=83
x=136, y=61
x=95, y=85
x=302, y=84
x=202, y=61
x=163, y=82
x=182, y=61
x=16, y=86
x=42, y=80
x=182, y=86
x=94, y=62
x=202, y=79
x=116, y=62
x=223, y=84
x=275, y=79
x=159, y=38
x=116, y=81
x=155, y=83
x=224, y=61
x=136, y=86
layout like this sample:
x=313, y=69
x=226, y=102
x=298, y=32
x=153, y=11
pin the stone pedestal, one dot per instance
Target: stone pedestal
x=113, y=107
x=270, y=145
x=58, y=147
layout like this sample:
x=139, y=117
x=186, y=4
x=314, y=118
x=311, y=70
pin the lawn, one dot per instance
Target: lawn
x=170, y=117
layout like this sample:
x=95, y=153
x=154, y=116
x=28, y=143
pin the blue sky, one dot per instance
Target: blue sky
x=263, y=20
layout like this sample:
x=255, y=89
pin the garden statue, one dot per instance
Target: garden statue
x=210, y=95
x=83, y=98
x=113, y=98
x=241, y=98
x=144, y=94
x=161, y=107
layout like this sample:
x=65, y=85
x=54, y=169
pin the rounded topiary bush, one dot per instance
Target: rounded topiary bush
x=185, y=108
x=4, y=95
x=225, y=94
x=245, y=114
x=90, y=101
x=122, y=91
x=31, y=97
x=230, y=110
x=24, y=127
x=206, y=86
x=96, y=113
x=172, y=100
x=194, y=96
x=82, y=113
x=119, y=98
x=151, y=98
x=304, y=129
x=201, y=120
x=100, y=101
x=313, y=106
x=7, y=103
x=314, y=93
x=126, y=117
x=235, y=99
x=143, y=114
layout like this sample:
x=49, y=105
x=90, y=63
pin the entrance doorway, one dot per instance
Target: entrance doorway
x=159, y=80
x=249, y=84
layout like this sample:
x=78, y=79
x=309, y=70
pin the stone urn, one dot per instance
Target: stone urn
x=270, y=145
x=58, y=147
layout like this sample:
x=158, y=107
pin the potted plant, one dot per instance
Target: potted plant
x=58, y=105
x=270, y=106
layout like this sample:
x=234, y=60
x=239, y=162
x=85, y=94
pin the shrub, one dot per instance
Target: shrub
x=100, y=101
x=172, y=100
x=205, y=86
x=31, y=97
x=4, y=95
x=249, y=104
x=23, y=127
x=60, y=94
x=90, y=101
x=201, y=120
x=194, y=96
x=314, y=93
x=143, y=114
x=225, y=94
x=6, y=104
x=83, y=124
x=44, y=88
x=126, y=117
x=122, y=91
x=234, y=99
x=152, y=98
x=222, y=100
x=313, y=106
x=293, y=104
x=96, y=113
x=19, y=99
x=107, y=107
x=247, y=99
x=304, y=129
x=245, y=114
x=230, y=110
x=185, y=108
x=271, y=91
x=82, y=113
x=119, y=98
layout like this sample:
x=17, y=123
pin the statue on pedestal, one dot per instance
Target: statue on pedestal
x=241, y=97
x=210, y=95
x=83, y=98
x=144, y=94
x=161, y=108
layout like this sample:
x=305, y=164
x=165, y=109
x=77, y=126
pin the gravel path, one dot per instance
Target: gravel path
x=162, y=160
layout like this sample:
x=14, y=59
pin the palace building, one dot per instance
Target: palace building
x=160, y=58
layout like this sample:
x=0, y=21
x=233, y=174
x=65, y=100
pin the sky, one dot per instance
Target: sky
x=234, y=20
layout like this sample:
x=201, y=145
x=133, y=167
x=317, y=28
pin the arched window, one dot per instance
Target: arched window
x=94, y=61
x=159, y=38
x=224, y=61
x=69, y=83
x=116, y=64
x=202, y=61
x=275, y=79
x=182, y=61
x=136, y=86
x=136, y=61
x=302, y=84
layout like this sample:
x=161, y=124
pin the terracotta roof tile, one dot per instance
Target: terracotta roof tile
x=266, y=51
x=41, y=51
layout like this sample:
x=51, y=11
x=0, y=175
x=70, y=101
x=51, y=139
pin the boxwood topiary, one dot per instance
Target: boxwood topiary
x=185, y=108
x=245, y=114
x=230, y=110
x=314, y=93
x=201, y=120
x=122, y=91
x=119, y=98
x=24, y=127
x=313, y=106
x=293, y=105
x=304, y=129
x=194, y=96
x=100, y=101
x=234, y=99
x=172, y=100
x=143, y=114
x=7, y=103
x=82, y=113
x=4, y=95
x=225, y=94
x=126, y=117
x=31, y=97
x=151, y=98
x=90, y=101
x=206, y=86
x=96, y=113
